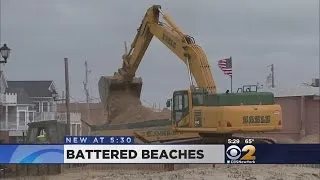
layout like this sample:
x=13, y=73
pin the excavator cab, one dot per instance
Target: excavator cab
x=180, y=105
x=182, y=102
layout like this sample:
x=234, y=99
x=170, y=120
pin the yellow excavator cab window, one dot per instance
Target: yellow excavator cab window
x=180, y=105
x=178, y=102
x=185, y=101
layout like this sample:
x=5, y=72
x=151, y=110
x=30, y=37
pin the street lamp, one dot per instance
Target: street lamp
x=5, y=52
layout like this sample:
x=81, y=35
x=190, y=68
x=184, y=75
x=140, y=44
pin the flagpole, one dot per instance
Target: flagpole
x=231, y=76
x=231, y=83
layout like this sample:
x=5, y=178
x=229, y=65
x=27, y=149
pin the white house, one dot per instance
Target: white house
x=22, y=102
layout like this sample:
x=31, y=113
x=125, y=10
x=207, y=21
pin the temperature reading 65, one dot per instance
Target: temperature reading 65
x=248, y=141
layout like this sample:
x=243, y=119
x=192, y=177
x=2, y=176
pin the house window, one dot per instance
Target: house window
x=37, y=106
x=31, y=108
x=22, y=118
x=45, y=106
x=2, y=117
x=73, y=130
x=31, y=116
x=78, y=129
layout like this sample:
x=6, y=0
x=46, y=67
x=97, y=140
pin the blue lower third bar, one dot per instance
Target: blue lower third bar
x=273, y=153
x=31, y=154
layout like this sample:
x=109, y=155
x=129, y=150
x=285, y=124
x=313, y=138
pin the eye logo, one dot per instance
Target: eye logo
x=234, y=153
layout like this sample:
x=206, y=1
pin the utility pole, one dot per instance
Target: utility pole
x=67, y=95
x=270, y=77
x=86, y=90
x=85, y=83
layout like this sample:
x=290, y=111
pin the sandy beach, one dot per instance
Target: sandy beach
x=220, y=172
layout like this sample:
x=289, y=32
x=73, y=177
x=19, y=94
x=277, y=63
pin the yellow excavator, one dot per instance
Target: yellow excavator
x=216, y=117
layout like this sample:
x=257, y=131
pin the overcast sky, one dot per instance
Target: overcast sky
x=256, y=33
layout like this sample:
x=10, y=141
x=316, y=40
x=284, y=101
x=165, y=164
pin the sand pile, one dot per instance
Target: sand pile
x=124, y=107
x=286, y=141
x=310, y=139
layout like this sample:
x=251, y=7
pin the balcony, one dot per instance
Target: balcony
x=8, y=98
x=14, y=124
x=47, y=116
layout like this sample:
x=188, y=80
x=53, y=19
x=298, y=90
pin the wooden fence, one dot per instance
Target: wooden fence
x=10, y=171
x=124, y=167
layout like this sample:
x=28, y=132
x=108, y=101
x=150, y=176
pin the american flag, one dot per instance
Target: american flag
x=226, y=66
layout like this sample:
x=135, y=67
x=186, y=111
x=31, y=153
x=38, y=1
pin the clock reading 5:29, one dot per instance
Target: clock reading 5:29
x=233, y=141
x=121, y=139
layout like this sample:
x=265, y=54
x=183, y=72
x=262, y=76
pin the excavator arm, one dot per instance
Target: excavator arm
x=140, y=44
x=173, y=38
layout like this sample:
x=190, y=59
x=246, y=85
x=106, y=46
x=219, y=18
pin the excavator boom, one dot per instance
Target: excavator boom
x=170, y=35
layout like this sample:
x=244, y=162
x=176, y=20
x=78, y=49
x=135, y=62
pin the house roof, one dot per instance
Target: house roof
x=293, y=91
x=97, y=116
x=33, y=88
x=22, y=95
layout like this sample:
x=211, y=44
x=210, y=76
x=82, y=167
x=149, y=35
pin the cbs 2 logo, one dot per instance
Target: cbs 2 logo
x=234, y=152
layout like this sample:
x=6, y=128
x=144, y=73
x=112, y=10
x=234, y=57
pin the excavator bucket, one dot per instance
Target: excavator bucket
x=109, y=84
